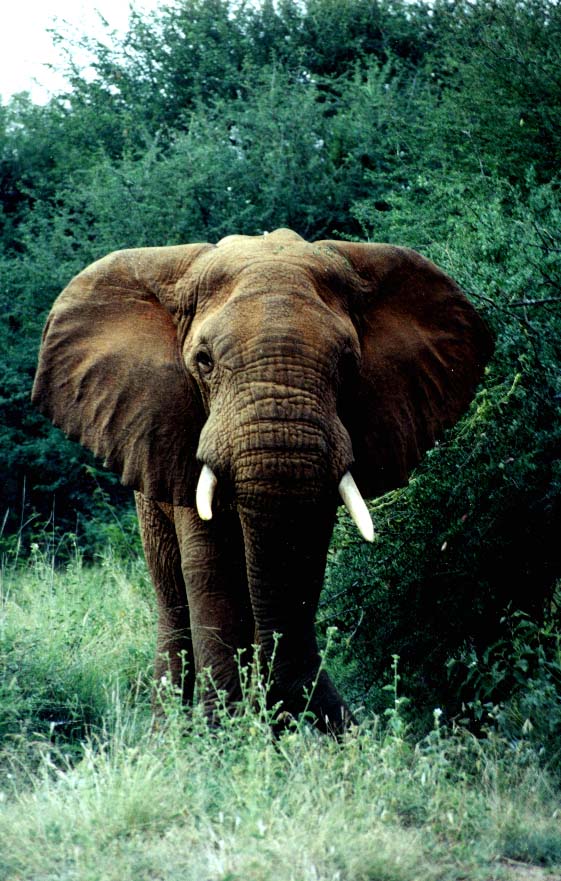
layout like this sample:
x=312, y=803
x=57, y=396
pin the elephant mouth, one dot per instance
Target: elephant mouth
x=348, y=492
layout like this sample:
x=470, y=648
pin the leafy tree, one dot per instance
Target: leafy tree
x=497, y=65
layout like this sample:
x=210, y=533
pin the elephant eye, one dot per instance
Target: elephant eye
x=348, y=366
x=204, y=361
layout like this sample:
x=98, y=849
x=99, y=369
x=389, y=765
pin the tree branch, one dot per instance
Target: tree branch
x=541, y=302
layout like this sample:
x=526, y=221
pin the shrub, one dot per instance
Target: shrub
x=476, y=530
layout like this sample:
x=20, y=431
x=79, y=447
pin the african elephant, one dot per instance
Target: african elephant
x=237, y=387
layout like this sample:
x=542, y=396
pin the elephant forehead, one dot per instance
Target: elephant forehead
x=267, y=265
x=277, y=323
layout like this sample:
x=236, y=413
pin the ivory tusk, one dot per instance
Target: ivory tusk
x=356, y=506
x=205, y=492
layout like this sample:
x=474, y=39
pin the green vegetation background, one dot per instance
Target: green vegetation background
x=436, y=127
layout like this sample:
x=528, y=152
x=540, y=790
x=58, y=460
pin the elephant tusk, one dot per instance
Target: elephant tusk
x=356, y=506
x=205, y=492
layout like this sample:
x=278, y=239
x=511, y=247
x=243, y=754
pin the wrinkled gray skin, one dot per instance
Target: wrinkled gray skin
x=281, y=365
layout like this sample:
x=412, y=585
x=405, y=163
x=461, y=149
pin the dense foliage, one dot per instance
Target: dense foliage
x=435, y=127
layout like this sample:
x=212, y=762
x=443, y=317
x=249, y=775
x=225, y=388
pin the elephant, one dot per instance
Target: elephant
x=243, y=389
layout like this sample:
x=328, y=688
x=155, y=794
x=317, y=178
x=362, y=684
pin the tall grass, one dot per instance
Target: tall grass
x=91, y=789
x=69, y=634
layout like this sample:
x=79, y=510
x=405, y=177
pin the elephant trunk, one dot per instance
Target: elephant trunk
x=287, y=445
x=281, y=462
x=286, y=553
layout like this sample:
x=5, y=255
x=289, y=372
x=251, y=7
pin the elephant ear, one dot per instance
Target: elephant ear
x=424, y=348
x=110, y=373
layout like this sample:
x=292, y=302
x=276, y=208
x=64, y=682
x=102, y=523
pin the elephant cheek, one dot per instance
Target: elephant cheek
x=215, y=442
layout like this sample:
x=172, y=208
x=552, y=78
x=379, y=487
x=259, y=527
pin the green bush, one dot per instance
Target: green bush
x=514, y=684
x=476, y=530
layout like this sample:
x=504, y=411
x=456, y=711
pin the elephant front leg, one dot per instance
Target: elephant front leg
x=221, y=617
x=174, y=651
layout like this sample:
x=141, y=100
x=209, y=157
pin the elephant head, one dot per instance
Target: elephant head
x=241, y=389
